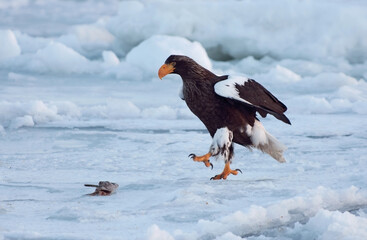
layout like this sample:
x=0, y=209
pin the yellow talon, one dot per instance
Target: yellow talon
x=227, y=170
x=204, y=159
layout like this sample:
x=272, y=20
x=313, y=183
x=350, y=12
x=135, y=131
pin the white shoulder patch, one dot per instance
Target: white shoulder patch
x=227, y=88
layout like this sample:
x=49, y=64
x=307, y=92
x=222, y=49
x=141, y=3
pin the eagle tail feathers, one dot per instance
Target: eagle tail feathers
x=273, y=147
x=265, y=142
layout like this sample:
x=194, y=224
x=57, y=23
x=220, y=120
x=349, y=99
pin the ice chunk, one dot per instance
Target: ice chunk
x=353, y=93
x=284, y=75
x=93, y=36
x=310, y=104
x=288, y=29
x=58, y=58
x=110, y=58
x=19, y=114
x=155, y=233
x=25, y=121
x=8, y=45
x=228, y=236
x=316, y=206
x=327, y=82
x=151, y=54
x=123, y=70
x=67, y=109
x=162, y=112
x=30, y=44
x=334, y=225
x=89, y=40
x=113, y=109
x=41, y=112
x=278, y=76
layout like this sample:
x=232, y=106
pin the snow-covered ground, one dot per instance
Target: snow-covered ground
x=80, y=102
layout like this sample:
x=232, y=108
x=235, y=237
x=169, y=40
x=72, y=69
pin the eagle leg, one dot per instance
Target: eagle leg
x=204, y=159
x=227, y=170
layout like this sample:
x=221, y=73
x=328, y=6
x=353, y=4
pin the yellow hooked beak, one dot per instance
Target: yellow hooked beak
x=165, y=69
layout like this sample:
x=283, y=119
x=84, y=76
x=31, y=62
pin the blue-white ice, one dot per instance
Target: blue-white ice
x=80, y=102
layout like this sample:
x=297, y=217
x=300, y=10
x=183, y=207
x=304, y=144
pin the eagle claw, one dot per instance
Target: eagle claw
x=204, y=159
x=219, y=176
x=227, y=171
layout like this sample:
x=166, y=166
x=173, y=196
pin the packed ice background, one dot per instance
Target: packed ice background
x=81, y=102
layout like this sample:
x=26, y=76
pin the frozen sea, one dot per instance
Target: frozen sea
x=81, y=102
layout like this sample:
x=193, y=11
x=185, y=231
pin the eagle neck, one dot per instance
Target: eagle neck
x=198, y=75
x=198, y=84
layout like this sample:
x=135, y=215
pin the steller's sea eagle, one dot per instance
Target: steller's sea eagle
x=227, y=106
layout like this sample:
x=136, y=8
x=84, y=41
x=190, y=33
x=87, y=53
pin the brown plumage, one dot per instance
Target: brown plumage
x=223, y=102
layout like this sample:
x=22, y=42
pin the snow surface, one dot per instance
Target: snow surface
x=81, y=102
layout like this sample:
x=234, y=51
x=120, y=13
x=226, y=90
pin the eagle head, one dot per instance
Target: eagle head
x=175, y=64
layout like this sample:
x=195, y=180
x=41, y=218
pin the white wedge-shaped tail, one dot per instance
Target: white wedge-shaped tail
x=264, y=141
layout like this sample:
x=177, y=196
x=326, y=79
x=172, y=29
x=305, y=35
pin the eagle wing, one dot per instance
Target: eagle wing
x=251, y=93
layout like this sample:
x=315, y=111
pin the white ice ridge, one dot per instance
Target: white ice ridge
x=277, y=35
x=322, y=212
